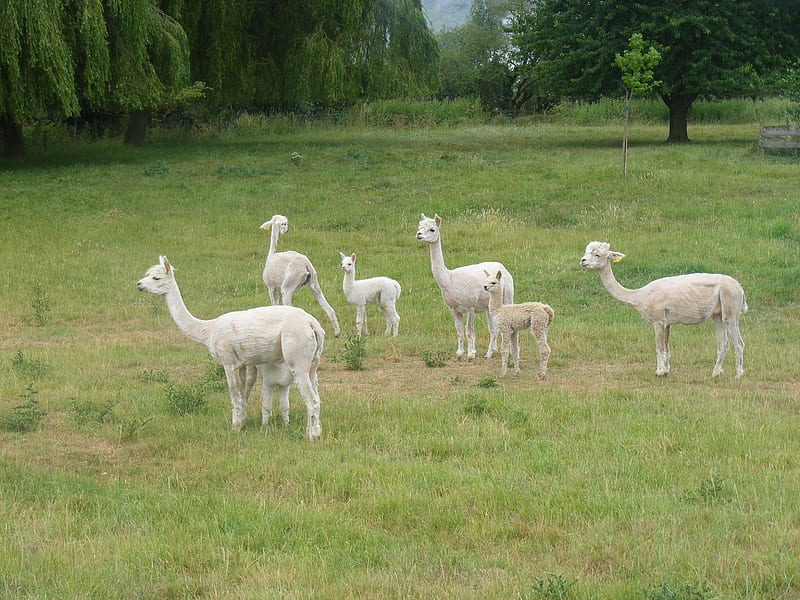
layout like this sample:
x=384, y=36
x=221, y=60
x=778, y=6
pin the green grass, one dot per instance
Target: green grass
x=601, y=481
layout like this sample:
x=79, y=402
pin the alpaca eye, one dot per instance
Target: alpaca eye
x=157, y=278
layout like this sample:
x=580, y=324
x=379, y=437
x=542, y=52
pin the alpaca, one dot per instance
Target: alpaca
x=286, y=272
x=383, y=290
x=682, y=299
x=282, y=343
x=513, y=318
x=462, y=289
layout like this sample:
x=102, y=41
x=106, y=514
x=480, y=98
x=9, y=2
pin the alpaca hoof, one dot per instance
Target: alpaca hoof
x=662, y=373
x=237, y=425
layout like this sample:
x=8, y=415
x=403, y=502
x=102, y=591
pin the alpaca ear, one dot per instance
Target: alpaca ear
x=342, y=254
x=353, y=258
x=487, y=273
x=165, y=263
x=438, y=219
x=423, y=216
x=499, y=274
x=616, y=256
x=265, y=226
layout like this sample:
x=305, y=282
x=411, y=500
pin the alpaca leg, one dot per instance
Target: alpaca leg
x=662, y=349
x=721, y=333
x=311, y=398
x=249, y=381
x=236, y=377
x=459, y=321
x=515, y=349
x=469, y=331
x=361, y=320
x=738, y=346
x=493, y=331
x=544, y=350
x=266, y=403
x=283, y=402
x=505, y=349
x=392, y=320
x=274, y=295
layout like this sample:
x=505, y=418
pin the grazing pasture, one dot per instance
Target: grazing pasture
x=120, y=476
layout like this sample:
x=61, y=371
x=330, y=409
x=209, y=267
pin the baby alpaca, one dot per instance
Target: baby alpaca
x=383, y=290
x=282, y=343
x=513, y=318
x=681, y=299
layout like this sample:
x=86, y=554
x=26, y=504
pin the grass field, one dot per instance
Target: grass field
x=121, y=479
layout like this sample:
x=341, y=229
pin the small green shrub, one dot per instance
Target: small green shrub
x=184, y=399
x=692, y=591
x=434, y=358
x=28, y=368
x=129, y=429
x=24, y=417
x=151, y=376
x=40, y=305
x=487, y=382
x=710, y=490
x=214, y=379
x=156, y=168
x=92, y=412
x=354, y=350
x=475, y=405
x=553, y=587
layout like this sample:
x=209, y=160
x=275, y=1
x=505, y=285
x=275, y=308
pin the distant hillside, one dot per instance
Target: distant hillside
x=446, y=14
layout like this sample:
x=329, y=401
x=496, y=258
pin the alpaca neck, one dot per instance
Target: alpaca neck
x=623, y=294
x=192, y=327
x=349, y=279
x=495, y=301
x=440, y=272
x=274, y=234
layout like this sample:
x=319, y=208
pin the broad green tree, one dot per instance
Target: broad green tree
x=709, y=48
x=59, y=57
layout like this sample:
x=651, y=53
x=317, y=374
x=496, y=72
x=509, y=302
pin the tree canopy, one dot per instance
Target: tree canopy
x=709, y=48
x=59, y=57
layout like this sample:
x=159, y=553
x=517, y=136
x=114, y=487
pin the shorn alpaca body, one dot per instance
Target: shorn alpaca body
x=462, y=289
x=513, y=318
x=360, y=292
x=286, y=272
x=679, y=300
x=282, y=343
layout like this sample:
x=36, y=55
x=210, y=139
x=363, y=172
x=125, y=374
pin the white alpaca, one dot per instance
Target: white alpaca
x=286, y=272
x=513, y=318
x=682, y=299
x=462, y=289
x=383, y=290
x=282, y=343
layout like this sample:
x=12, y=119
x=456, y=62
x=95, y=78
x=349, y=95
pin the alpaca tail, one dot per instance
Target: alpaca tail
x=313, y=283
x=550, y=313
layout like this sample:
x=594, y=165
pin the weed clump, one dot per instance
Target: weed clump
x=354, y=351
x=434, y=358
x=23, y=417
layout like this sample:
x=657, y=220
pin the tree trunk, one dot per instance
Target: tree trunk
x=138, y=121
x=679, y=106
x=11, y=142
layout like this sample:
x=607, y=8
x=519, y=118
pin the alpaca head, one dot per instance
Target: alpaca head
x=428, y=229
x=348, y=262
x=280, y=222
x=157, y=279
x=598, y=254
x=492, y=283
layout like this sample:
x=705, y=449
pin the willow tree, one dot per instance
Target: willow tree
x=60, y=57
x=275, y=54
